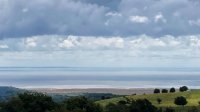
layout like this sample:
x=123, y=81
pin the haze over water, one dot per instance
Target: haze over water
x=98, y=77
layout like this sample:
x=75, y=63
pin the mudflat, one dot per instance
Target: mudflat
x=117, y=91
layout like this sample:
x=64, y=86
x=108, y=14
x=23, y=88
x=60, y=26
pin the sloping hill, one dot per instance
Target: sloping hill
x=8, y=92
x=193, y=97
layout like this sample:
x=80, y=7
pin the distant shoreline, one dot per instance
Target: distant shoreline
x=117, y=91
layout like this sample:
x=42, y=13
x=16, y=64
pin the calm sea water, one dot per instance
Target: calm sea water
x=80, y=77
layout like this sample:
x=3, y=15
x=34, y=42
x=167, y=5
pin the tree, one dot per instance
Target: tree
x=122, y=102
x=183, y=88
x=180, y=100
x=169, y=110
x=142, y=105
x=81, y=104
x=164, y=91
x=172, y=90
x=156, y=91
x=29, y=102
x=116, y=108
x=159, y=100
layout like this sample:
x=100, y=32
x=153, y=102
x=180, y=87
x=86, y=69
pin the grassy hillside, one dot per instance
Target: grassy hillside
x=193, y=97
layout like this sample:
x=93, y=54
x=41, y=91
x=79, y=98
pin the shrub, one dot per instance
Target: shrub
x=180, y=100
x=156, y=91
x=122, y=102
x=142, y=105
x=183, y=88
x=159, y=100
x=169, y=110
x=81, y=104
x=164, y=91
x=172, y=90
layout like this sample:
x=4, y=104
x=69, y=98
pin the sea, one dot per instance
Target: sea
x=99, y=77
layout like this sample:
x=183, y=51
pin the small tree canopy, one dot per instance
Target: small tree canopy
x=159, y=100
x=164, y=91
x=183, y=88
x=172, y=90
x=180, y=100
x=156, y=91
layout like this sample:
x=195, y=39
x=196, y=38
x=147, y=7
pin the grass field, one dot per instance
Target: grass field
x=193, y=97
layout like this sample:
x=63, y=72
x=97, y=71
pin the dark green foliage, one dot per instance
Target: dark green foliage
x=172, y=90
x=164, y=91
x=159, y=100
x=29, y=102
x=13, y=105
x=193, y=109
x=8, y=92
x=99, y=96
x=180, y=100
x=142, y=106
x=81, y=104
x=169, y=110
x=183, y=88
x=156, y=91
x=122, y=102
x=117, y=108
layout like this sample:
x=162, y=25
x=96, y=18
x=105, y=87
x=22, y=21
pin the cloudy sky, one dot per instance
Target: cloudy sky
x=104, y=33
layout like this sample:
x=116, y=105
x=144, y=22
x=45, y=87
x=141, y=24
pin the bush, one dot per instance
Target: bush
x=159, y=100
x=172, y=90
x=169, y=110
x=122, y=102
x=180, y=100
x=81, y=104
x=29, y=102
x=142, y=105
x=183, y=88
x=116, y=108
x=164, y=91
x=156, y=91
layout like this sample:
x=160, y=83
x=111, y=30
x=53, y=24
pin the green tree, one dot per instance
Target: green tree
x=164, y=91
x=159, y=100
x=81, y=104
x=169, y=110
x=156, y=91
x=117, y=108
x=180, y=100
x=142, y=105
x=29, y=102
x=183, y=88
x=172, y=90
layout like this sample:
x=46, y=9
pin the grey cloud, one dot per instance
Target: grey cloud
x=89, y=17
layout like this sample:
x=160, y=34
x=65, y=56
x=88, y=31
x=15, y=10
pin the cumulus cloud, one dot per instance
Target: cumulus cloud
x=3, y=46
x=159, y=17
x=61, y=50
x=31, y=42
x=113, y=14
x=139, y=19
x=194, y=22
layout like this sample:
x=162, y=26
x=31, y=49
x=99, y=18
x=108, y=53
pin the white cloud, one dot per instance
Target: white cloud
x=139, y=19
x=112, y=51
x=31, y=42
x=3, y=46
x=113, y=14
x=194, y=22
x=159, y=18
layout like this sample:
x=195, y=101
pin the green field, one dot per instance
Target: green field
x=193, y=97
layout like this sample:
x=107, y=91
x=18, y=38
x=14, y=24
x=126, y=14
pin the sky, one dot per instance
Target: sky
x=100, y=33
